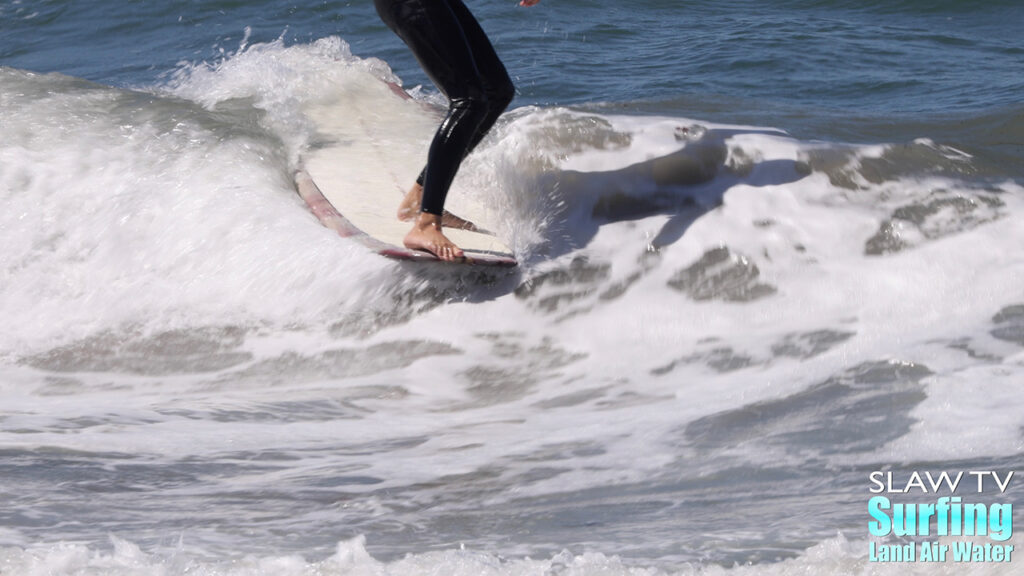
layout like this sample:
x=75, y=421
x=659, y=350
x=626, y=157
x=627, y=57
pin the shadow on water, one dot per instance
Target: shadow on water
x=684, y=185
x=438, y=282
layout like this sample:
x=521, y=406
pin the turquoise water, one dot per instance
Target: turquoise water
x=767, y=249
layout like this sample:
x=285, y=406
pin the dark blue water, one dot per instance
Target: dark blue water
x=858, y=70
x=890, y=58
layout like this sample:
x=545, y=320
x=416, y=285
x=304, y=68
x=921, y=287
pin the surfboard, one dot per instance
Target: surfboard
x=370, y=142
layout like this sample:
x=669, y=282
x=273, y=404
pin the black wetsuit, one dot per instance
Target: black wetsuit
x=454, y=51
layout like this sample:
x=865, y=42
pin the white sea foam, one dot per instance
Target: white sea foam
x=176, y=306
x=834, y=556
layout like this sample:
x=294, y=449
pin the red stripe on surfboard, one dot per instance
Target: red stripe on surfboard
x=322, y=209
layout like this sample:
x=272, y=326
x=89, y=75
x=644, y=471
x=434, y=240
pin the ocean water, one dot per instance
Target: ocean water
x=768, y=248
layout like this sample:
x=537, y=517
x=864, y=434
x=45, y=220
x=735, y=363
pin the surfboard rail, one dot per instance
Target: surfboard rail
x=332, y=219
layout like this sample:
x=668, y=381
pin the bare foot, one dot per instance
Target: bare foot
x=426, y=235
x=409, y=209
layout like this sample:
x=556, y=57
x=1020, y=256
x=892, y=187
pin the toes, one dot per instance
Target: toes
x=449, y=253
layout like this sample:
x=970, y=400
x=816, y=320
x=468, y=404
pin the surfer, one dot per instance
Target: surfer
x=456, y=54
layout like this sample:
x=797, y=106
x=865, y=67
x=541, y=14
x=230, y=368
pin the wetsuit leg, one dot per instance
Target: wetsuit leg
x=497, y=84
x=447, y=40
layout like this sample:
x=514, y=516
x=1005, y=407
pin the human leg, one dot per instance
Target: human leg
x=443, y=35
x=494, y=78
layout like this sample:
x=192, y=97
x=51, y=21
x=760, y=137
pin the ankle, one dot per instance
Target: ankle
x=427, y=220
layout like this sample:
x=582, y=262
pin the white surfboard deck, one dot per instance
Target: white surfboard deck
x=352, y=177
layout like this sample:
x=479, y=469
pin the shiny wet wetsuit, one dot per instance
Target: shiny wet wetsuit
x=457, y=56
